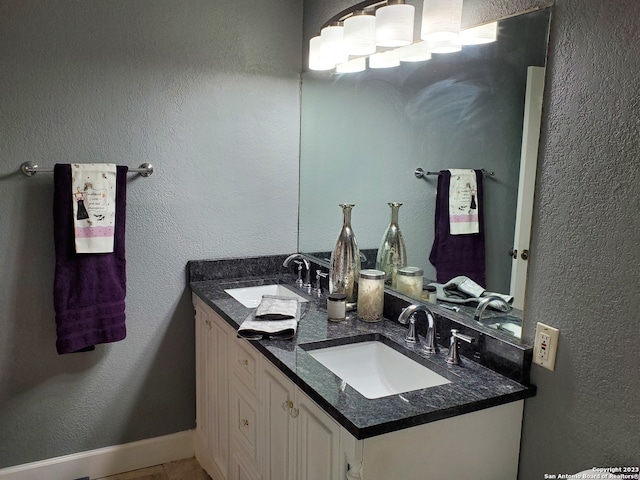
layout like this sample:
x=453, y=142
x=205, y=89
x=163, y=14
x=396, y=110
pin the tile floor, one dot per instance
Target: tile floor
x=188, y=469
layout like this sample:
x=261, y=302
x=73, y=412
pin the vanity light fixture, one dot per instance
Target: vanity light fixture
x=388, y=24
x=394, y=24
x=360, y=33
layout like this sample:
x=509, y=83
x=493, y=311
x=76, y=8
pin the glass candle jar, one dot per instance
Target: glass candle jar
x=336, y=306
x=409, y=281
x=371, y=295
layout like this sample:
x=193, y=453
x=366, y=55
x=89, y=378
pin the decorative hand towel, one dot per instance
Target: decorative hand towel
x=93, y=186
x=455, y=255
x=273, y=319
x=463, y=290
x=89, y=289
x=277, y=307
x=463, y=202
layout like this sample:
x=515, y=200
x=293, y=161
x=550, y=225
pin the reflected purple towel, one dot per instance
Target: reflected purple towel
x=89, y=289
x=455, y=255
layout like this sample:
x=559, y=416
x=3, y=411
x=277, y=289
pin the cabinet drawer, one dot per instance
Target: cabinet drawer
x=245, y=364
x=245, y=424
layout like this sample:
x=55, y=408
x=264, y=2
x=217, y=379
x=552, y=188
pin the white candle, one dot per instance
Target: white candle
x=371, y=295
x=410, y=281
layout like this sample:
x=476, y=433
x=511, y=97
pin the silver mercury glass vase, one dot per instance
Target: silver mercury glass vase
x=345, y=261
x=392, y=253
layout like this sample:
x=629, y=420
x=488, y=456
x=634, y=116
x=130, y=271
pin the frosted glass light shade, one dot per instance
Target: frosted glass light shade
x=441, y=19
x=360, y=34
x=416, y=52
x=384, y=60
x=478, y=35
x=317, y=61
x=450, y=45
x=394, y=25
x=331, y=44
x=352, y=66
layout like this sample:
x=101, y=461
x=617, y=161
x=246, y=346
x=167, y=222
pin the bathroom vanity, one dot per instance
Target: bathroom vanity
x=269, y=410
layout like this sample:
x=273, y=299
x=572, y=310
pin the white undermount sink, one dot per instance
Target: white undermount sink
x=251, y=296
x=375, y=369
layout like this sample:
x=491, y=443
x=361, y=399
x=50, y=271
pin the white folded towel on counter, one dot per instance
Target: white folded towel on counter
x=463, y=202
x=93, y=186
x=276, y=317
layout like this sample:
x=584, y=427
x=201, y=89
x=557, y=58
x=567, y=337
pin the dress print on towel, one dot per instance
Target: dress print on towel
x=463, y=207
x=94, y=194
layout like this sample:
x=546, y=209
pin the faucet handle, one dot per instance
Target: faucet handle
x=319, y=276
x=299, y=281
x=454, y=357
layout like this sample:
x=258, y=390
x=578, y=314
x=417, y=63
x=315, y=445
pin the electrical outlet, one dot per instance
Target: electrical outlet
x=545, y=346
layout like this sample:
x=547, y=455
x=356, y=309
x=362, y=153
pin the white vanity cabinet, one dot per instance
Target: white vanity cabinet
x=254, y=423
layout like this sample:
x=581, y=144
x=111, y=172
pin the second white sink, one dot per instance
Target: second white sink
x=375, y=369
x=251, y=296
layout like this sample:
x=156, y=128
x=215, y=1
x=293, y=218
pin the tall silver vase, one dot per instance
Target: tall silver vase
x=392, y=253
x=345, y=261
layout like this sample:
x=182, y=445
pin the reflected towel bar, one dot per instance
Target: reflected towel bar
x=420, y=173
x=31, y=168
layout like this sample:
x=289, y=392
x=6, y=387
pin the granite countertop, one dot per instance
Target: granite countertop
x=473, y=387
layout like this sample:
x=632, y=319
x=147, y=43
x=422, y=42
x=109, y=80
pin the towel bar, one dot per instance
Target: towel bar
x=420, y=173
x=31, y=168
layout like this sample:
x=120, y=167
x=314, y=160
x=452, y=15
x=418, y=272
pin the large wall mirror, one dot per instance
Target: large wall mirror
x=364, y=134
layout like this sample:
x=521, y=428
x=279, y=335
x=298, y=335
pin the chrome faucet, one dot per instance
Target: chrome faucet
x=484, y=303
x=408, y=315
x=297, y=257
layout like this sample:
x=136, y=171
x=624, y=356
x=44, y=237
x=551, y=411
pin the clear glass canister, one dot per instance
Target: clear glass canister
x=371, y=295
x=336, y=306
x=409, y=281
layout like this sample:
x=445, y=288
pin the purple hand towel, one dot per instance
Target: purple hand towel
x=455, y=255
x=89, y=289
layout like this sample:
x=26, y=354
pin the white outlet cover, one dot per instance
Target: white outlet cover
x=545, y=346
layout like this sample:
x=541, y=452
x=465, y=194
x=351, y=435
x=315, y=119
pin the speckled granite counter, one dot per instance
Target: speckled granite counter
x=473, y=386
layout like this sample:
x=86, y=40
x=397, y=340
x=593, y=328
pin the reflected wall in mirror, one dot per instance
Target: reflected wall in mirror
x=364, y=134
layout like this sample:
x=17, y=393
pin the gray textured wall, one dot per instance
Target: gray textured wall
x=207, y=91
x=584, y=271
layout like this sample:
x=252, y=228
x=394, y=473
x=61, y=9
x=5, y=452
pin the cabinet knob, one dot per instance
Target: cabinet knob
x=524, y=255
x=288, y=405
x=244, y=362
x=244, y=423
x=513, y=252
x=294, y=412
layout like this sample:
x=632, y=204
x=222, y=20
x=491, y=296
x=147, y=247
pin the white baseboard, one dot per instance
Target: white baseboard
x=107, y=461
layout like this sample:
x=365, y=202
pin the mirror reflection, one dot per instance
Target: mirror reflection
x=364, y=134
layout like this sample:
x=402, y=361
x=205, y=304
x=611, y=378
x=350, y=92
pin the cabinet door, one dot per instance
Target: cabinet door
x=279, y=445
x=318, y=455
x=240, y=470
x=202, y=326
x=246, y=431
